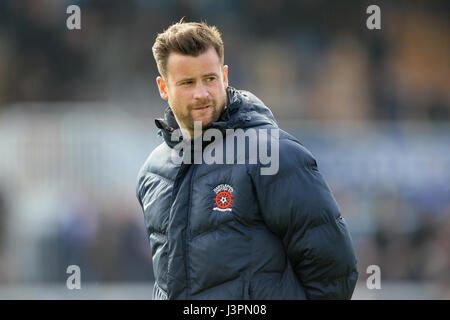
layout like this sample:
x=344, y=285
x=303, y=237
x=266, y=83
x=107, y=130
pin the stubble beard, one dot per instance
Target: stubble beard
x=214, y=114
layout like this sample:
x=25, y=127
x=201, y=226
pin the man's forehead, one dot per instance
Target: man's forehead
x=180, y=65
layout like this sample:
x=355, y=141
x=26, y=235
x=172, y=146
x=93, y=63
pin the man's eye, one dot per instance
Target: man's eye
x=210, y=79
x=187, y=82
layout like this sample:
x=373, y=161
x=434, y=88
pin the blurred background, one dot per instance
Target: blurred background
x=77, y=111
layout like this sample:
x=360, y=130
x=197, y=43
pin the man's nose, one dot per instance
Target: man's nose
x=200, y=92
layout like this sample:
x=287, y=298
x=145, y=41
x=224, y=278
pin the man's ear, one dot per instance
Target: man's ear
x=225, y=76
x=162, y=87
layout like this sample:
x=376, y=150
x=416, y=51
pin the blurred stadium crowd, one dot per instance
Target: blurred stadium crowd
x=77, y=109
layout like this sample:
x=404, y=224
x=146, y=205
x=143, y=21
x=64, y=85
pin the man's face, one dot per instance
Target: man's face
x=195, y=88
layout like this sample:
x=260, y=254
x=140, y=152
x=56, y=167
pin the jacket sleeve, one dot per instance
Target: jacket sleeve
x=139, y=186
x=298, y=206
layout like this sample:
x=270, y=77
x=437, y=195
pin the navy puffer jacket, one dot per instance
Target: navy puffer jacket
x=224, y=231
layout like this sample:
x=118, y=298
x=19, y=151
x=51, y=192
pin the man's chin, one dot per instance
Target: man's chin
x=204, y=119
x=204, y=122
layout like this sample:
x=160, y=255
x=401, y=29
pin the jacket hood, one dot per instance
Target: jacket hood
x=242, y=110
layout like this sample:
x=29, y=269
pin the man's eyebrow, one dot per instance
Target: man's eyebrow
x=192, y=79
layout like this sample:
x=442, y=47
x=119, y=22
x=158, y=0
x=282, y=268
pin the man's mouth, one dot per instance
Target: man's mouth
x=202, y=108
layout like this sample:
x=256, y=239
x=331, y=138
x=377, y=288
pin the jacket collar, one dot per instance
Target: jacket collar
x=242, y=110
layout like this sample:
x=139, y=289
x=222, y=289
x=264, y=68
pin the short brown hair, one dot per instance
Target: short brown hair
x=189, y=38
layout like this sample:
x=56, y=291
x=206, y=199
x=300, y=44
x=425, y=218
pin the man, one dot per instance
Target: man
x=228, y=231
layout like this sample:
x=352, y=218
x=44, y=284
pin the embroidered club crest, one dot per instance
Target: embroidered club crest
x=224, y=197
